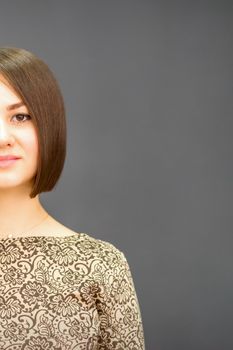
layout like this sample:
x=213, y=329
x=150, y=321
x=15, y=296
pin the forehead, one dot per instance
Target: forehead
x=7, y=93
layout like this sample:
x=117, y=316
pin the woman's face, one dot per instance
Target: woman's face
x=18, y=137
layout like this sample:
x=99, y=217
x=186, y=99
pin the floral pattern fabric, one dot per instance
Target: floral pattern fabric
x=67, y=293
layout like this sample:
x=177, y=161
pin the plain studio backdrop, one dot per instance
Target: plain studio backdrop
x=148, y=93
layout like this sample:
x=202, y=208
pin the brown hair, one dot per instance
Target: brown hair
x=38, y=88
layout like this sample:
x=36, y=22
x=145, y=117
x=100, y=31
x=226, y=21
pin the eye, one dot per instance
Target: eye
x=20, y=117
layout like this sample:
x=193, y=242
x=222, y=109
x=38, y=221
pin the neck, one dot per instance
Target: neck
x=19, y=212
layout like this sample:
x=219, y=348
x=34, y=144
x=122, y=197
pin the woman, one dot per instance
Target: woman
x=59, y=289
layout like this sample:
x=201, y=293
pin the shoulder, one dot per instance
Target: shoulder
x=104, y=257
x=94, y=251
x=99, y=247
x=84, y=248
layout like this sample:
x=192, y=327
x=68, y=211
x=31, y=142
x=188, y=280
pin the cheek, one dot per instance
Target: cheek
x=29, y=142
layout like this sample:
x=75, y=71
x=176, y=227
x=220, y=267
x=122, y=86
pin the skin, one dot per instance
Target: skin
x=18, y=136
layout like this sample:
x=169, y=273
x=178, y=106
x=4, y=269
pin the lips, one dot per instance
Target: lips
x=8, y=157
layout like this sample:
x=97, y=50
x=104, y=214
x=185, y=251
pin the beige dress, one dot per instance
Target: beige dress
x=67, y=293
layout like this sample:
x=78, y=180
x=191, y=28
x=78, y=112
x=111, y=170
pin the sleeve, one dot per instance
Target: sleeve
x=118, y=307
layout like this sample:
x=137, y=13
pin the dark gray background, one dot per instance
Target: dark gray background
x=149, y=167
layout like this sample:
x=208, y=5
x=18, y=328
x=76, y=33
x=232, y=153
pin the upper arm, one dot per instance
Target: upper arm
x=118, y=307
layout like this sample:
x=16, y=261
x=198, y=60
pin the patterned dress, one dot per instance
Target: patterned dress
x=67, y=293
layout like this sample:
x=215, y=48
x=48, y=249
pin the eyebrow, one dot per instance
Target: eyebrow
x=15, y=105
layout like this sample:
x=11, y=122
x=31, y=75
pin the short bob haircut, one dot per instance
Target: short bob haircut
x=34, y=82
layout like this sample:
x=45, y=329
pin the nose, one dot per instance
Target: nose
x=6, y=136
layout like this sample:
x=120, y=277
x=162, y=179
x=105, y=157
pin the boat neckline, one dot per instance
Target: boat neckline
x=4, y=239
